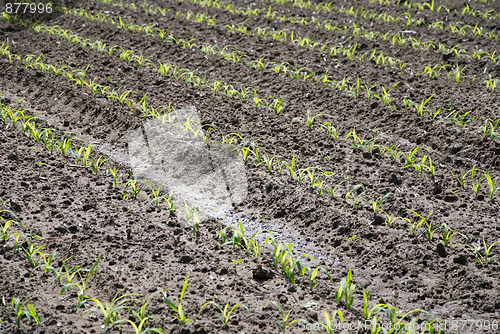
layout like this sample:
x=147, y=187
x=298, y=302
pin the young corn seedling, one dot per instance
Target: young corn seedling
x=82, y=286
x=492, y=188
x=393, y=150
x=290, y=165
x=139, y=319
x=122, y=98
x=239, y=238
x=284, y=324
x=47, y=261
x=410, y=157
x=447, y=234
x=351, y=191
x=17, y=236
x=331, y=192
x=135, y=189
x=142, y=61
x=97, y=163
x=396, y=324
x=461, y=121
x=126, y=55
x=313, y=273
x=367, y=312
x=58, y=274
x=27, y=312
x=177, y=308
x=429, y=232
x=476, y=185
x=460, y=178
x=376, y=204
x=489, y=128
x=33, y=255
x=356, y=201
x=458, y=73
x=225, y=312
x=415, y=225
x=346, y=290
x=430, y=167
x=113, y=173
x=330, y=130
x=155, y=193
x=191, y=217
x=329, y=324
x=269, y=161
x=384, y=96
x=4, y=227
x=110, y=310
x=256, y=245
x=481, y=259
x=419, y=108
x=390, y=220
x=310, y=119
x=83, y=155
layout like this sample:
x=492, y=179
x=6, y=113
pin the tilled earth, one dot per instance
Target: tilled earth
x=144, y=250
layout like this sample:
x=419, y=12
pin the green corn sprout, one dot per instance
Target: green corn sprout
x=83, y=155
x=328, y=325
x=47, y=261
x=32, y=253
x=110, y=309
x=58, y=274
x=352, y=190
x=4, y=228
x=476, y=185
x=429, y=231
x=22, y=312
x=97, y=163
x=177, y=308
x=269, y=161
x=384, y=96
x=460, y=178
x=492, y=186
x=411, y=157
x=64, y=145
x=391, y=220
x=284, y=324
x=415, y=225
x=225, y=313
x=113, y=173
x=367, y=312
x=310, y=119
x=134, y=188
x=82, y=286
x=447, y=234
x=460, y=120
x=140, y=318
x=378, y=202
x=346, y=290
x=419, y=108
x=257, y=246
x=313, y=273
x=481, y=259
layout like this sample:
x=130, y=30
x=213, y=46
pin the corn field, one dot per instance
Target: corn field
x=274, y=166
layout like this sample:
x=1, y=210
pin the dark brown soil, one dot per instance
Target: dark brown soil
x=144, y=250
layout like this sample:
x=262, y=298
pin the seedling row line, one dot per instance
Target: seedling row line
x=466, y=10
x=406, y=18
x=166, y=69
x=354, y=90
x=353, y=30
x=83, y=154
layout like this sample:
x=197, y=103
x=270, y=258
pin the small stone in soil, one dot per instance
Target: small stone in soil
x=441, y=250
